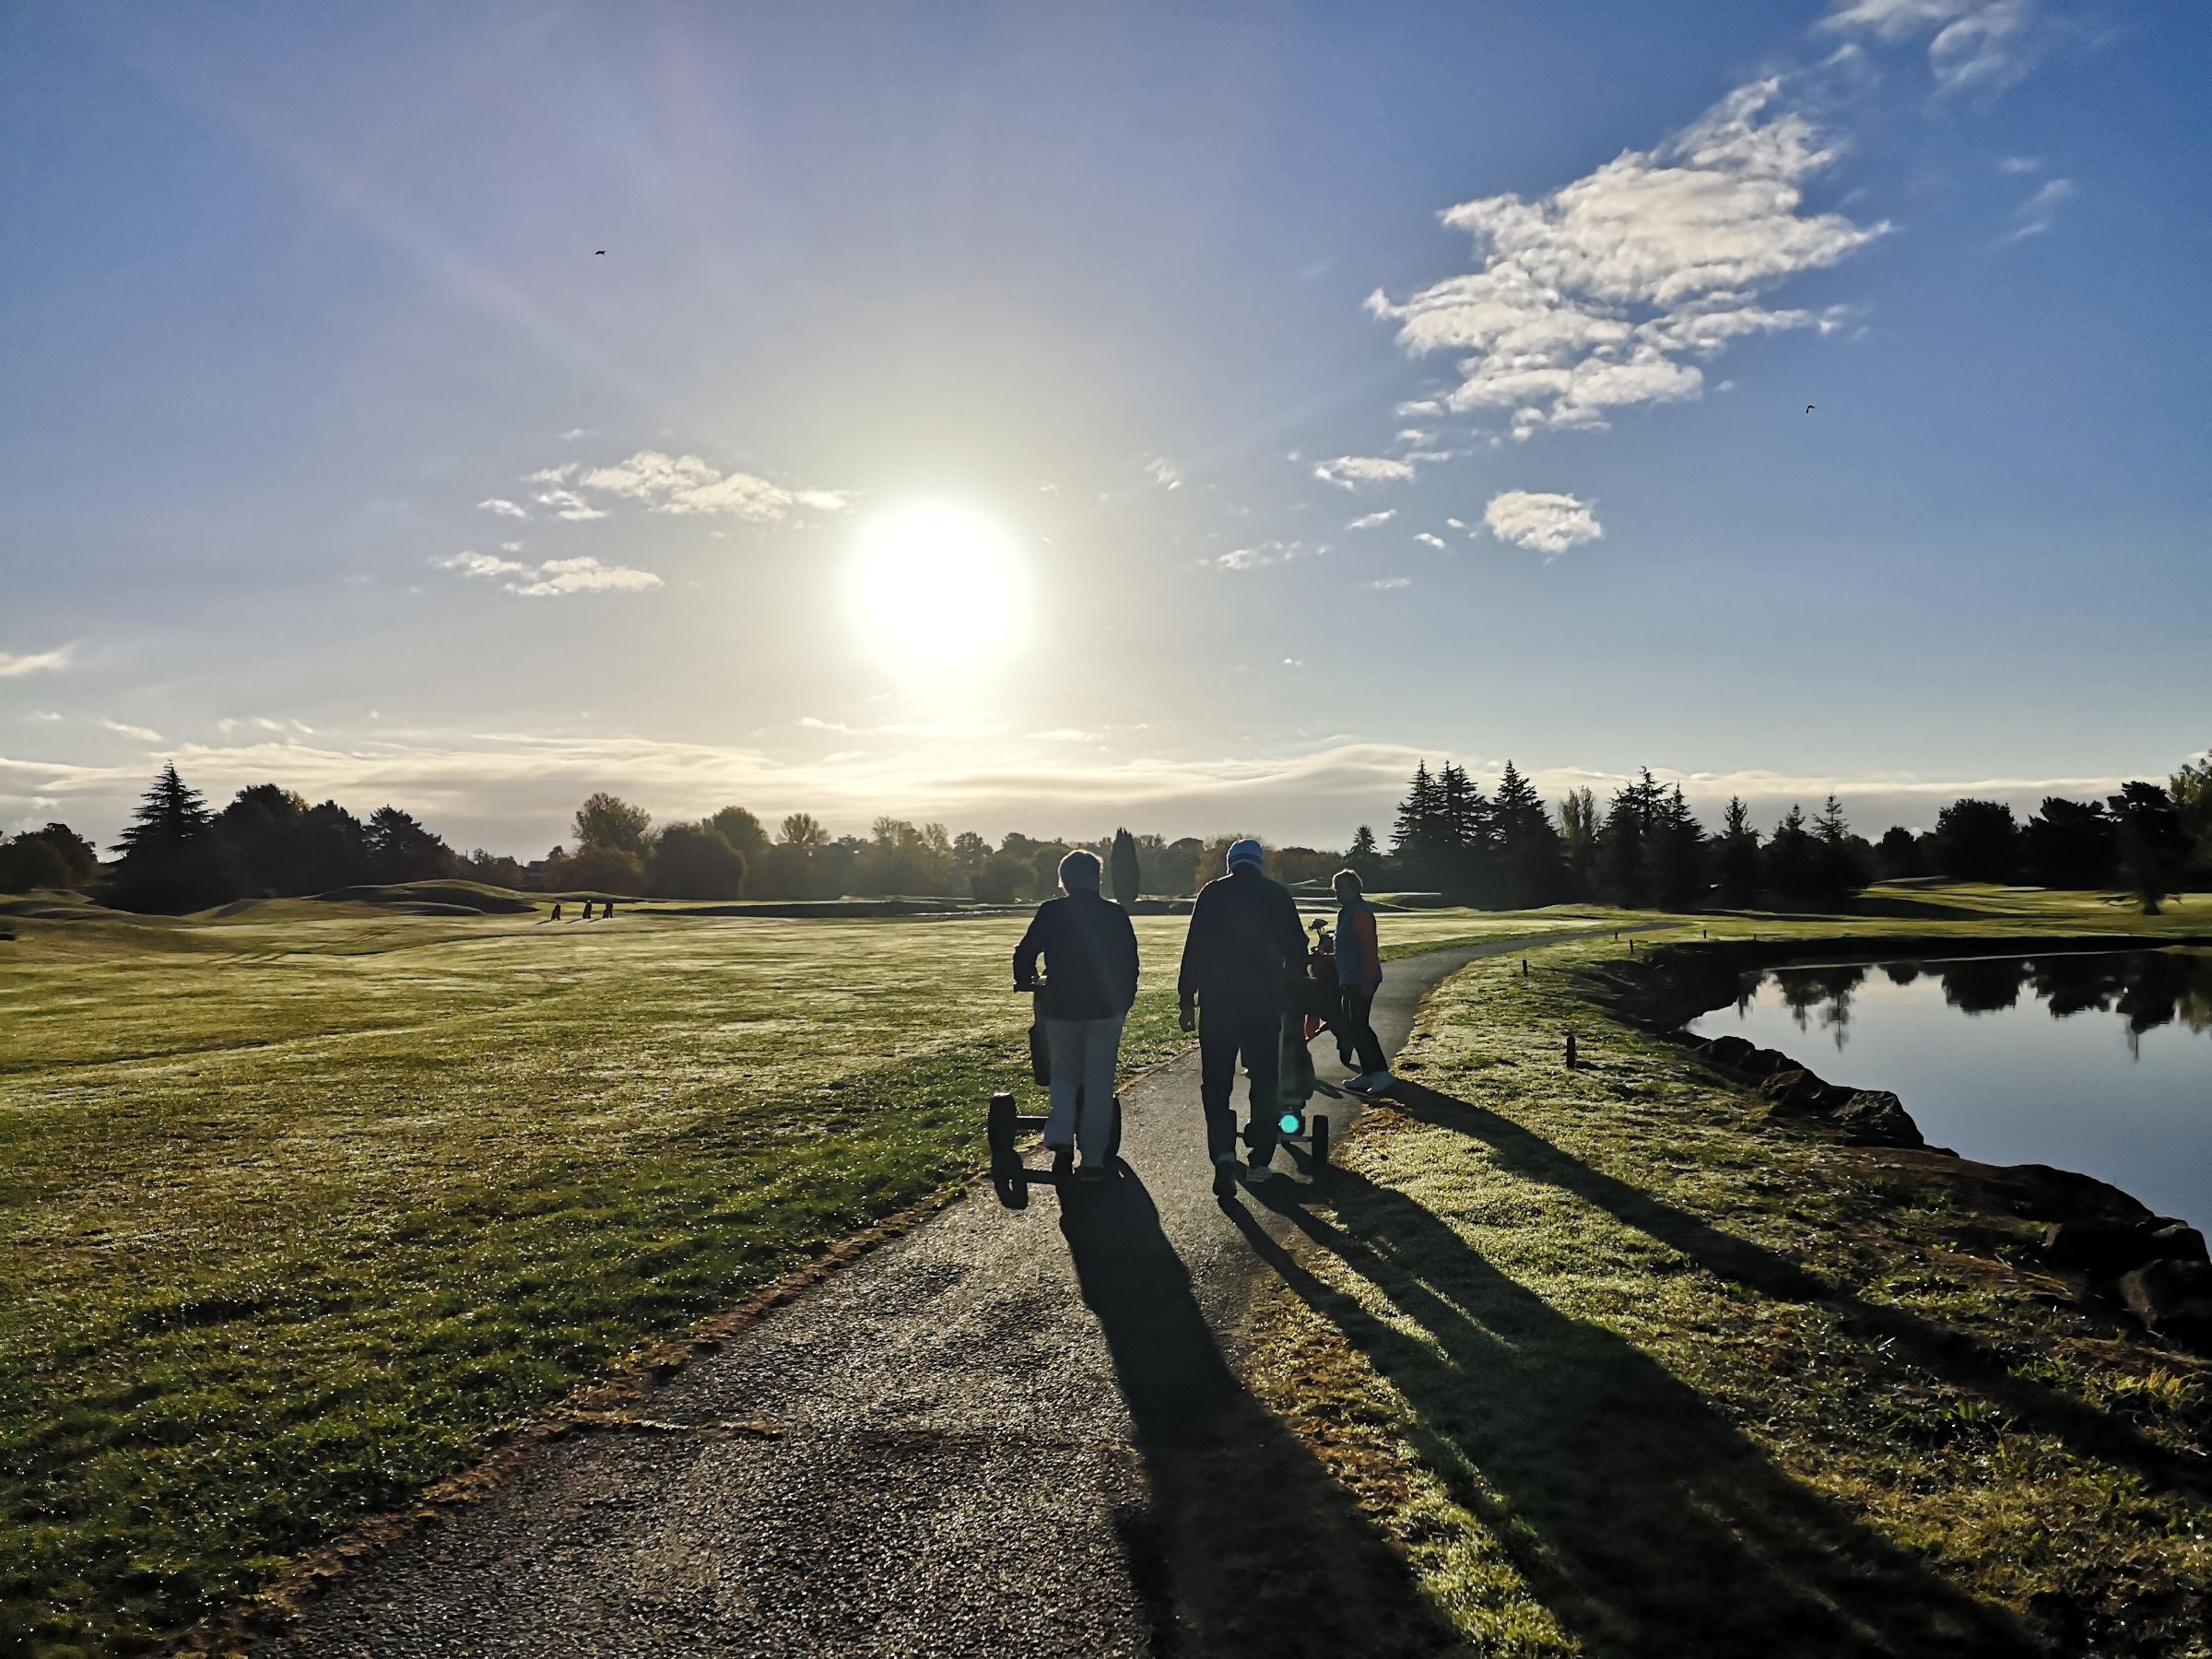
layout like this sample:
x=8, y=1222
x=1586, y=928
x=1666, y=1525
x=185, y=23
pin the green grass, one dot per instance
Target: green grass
x=1626, y=1377
x=301, y=1205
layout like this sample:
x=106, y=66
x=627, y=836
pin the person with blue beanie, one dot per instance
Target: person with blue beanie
x=1243, y=954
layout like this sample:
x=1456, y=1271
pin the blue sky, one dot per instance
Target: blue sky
x=1166, y=304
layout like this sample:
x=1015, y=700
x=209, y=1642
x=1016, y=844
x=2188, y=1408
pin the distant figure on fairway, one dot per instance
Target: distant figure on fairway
x=1089, y=951
x=607, y=911
x=556, y=912
x=1359, y=977
x=1240, y=960
x=587, y=910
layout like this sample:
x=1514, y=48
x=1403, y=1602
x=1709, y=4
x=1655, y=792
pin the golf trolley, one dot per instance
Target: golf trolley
x=1295, y=1124
x=1003, y=1125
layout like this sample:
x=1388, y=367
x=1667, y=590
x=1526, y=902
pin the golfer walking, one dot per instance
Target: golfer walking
x=1359, y=977
x=1244, y=949
x=1089, y=951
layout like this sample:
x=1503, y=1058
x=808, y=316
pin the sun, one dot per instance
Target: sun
x=938, y=586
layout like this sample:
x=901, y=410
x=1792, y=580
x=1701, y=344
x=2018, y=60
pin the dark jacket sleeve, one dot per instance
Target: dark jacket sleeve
x=1026, y=953
x=1196, y=942
x=1124, y=961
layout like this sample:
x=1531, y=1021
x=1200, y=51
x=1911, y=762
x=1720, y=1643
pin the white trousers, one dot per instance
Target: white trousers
x=1084, y=1053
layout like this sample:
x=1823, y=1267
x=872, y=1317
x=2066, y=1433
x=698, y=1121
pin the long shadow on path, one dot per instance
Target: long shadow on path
x=1247, y=1546
x=1645, y=1521
x=1952, y=1355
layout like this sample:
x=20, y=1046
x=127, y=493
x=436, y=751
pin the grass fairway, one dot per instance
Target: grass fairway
x=1627, y=1378
x=301, y=1205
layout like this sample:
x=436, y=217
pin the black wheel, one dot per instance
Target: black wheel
x=1007, y=1178
x=1113, y=1132
x=1320, y=1126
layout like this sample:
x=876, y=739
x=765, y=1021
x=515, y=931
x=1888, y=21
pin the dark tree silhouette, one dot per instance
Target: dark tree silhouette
x=609, y=820
x=1735, y=855
x=1898, y=854
x=1977, y=840
x=169, y=860
x=742, y=830
x=401, y=850
x=2154, y=849
x=1793, y=857
x=693, y=860
x=1837, y=873
x=1125, y=867
x=53, y=856
x=2070, y=845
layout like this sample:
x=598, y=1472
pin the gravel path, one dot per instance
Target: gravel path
x=1007, y=1432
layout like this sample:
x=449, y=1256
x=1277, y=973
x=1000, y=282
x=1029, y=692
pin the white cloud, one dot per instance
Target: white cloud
x=1453, y=524
x=2035, y=216
x=574, y=434
x=686, y=484
x=1550, y=524
x=138, y=733
x=568, y=504
x=1388, y=582
x=1368, y=521
x=1068, y=735
x=473, y=563
x=1163, y=472
x=2018, y=164
x=45, y=716
x=553, y=579
x=1350, y=472
x=1592, y=298
x=503, y=507
x=1975, y=44
x=35, y=662
x=1258, y=558
x=1428, y=541
x=556, y=577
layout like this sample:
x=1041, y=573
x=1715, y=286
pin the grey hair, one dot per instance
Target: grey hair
x=1342, y=877
x=1079, y=872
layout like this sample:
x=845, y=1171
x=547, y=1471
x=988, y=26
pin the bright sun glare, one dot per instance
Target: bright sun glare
x=938, y=586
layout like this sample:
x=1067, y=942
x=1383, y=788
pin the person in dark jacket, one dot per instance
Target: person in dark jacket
x=1241, y=960
x=1090, y=953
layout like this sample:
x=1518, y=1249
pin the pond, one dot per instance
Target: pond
x=2097, y=1061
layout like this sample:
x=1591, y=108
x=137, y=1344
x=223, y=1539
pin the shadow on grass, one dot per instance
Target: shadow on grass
x=1247, y=1545
x=1641, y=1518
x=1952, y=1355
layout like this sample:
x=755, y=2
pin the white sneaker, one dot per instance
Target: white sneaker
x=1358, y=1083
x=1376, y=1082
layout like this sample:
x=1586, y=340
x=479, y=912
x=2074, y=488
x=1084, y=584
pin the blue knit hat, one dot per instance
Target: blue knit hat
x=1246, y=852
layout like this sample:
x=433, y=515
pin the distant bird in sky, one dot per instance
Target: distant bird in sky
x=1808, y=408
x=601, y=253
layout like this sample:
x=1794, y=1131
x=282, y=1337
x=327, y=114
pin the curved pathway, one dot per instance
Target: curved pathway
x=1007, y=1432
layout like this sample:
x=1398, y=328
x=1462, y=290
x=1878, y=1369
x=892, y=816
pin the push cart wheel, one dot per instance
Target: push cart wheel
x=1007, y=1178
x=1320, y=1129
x=1113, y=1132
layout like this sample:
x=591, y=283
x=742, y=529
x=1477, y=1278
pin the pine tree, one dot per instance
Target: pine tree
x=1678, y=854
x=170, y=861
x=1624, y=848
x=1530, y=856
x=1578, y=840
x=1792, y=858
x=1126, y=872
x=1463, y=850
x=2154, y=843
x=1735, y=855
x=1416, y=815
x=1363, y=854
x=1836, y=874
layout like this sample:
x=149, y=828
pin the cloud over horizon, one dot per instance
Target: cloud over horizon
x=1549, y=523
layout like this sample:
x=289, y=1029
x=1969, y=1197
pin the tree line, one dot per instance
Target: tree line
x=1645, y=849
x=1502, y=848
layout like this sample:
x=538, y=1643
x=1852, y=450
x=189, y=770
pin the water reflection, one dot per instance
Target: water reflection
x=2146, y=988
x=2092, y=1061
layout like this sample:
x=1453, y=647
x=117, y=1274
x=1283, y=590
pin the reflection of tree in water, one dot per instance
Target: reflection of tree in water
x=1824, y=991
x=2146, y=988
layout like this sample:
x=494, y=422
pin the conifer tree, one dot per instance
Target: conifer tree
x=1126, y=872
x=1735, y=855
x=1792, y=858
x=170, y=861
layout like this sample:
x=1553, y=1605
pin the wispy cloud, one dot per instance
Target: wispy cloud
x=503, y=507
x=1600, y=294
x=1352, y=472
x=1549, y=523
x=1163, y=471
x=553, y=579
x=137, y=732
x=577, y=434
x=260, y=723
x=2035, y=215
x=1429, y=539
x=685, y=484
x=12, y=664
x=2018, y=164
x=1387, y=583
x=1368, y=521
x=1260, y=556
x=1974, y=46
